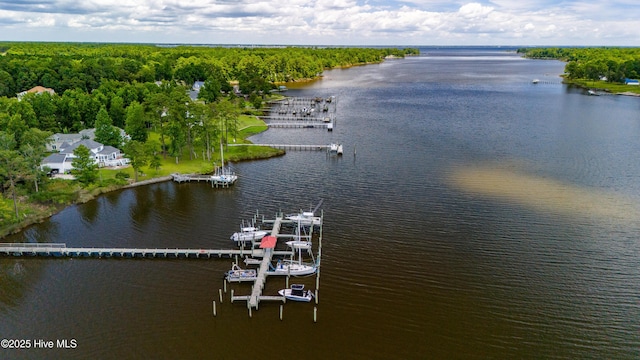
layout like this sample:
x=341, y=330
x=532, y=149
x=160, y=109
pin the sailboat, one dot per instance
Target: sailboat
x=223, y=176
x=291, y=266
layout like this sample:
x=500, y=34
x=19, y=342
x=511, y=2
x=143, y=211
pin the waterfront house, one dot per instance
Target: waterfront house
x=631, y=82
x=35, y=90
x=103, y=155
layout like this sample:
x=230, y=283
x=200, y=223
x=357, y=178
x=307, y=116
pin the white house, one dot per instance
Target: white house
x=104, y=156
x=58, y=141
x=35, y=90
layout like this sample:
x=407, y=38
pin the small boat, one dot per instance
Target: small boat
x=223, y=176
x=299, y=244
x=330, y=126
x=535, y=81
x=248, y=233
x=335, y=149
x=236, y=274
x=289, y=267
x=252, y=261
x=592, y=93
x=305, y=218
x=296, y=293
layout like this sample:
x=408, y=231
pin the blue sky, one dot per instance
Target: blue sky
x=325, y=22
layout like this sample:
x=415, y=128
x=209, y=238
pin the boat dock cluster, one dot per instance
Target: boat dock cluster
x=293, y=236
x=282, y=247
x=300, y=112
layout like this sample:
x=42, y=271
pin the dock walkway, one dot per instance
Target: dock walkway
x=290, y=146
x=258, y=285
x=61, y=250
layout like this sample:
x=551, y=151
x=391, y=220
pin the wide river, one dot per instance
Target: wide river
x=473, y=215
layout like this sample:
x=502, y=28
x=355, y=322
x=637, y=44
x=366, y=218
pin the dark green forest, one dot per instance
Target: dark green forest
x=613, y=63
x=143, y=89
x=88, y=76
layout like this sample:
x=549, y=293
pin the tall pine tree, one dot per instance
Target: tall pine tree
x=106, y=133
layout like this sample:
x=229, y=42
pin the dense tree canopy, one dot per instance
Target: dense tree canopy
x=612, y=64
x=139, y=88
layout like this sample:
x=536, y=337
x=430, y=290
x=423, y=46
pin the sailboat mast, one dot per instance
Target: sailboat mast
x=221, y=157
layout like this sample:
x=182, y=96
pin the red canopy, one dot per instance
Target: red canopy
x=268, y=242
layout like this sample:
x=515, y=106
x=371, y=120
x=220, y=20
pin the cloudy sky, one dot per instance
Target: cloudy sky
x=325, y=22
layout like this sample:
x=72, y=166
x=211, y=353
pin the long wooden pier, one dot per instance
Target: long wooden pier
x=179, y=178
x=290, y=146
x=298, y=125
x=61, y=250
x=265, y=253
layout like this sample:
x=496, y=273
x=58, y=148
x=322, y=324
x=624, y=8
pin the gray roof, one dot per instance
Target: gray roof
x=54, y=158
x=67, y=137
x=90, y=144
x=109, y=150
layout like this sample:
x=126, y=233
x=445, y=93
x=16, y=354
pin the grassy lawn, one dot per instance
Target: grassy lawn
x=57, y=193
x=247, y=125
x=615, y=88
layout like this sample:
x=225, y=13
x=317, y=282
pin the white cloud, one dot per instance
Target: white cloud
x=340, y=22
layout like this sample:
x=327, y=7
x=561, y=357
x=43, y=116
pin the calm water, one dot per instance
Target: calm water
x=473, y=215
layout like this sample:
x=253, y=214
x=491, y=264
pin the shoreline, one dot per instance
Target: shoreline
x=85, y=197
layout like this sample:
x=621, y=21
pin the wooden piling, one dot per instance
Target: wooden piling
x=315, y=314
x=214, y=308
x=220, y=293
x=280, y=312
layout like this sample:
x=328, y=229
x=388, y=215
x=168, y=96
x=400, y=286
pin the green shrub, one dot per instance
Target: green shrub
x=121, y=175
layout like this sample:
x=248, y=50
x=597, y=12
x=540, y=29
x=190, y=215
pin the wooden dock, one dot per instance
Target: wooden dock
x=298, y=125
x=180, y=178
x=258, y=285
x=290, y=146
x=266, y=254
x=62, y=251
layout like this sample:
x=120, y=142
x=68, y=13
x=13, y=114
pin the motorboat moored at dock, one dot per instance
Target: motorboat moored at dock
x=305, y=218
x=237, y=274
x=248, y=233
x=296, y=293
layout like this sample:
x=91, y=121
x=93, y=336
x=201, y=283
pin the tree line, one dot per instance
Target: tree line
x=615, y=64
x=141, y=89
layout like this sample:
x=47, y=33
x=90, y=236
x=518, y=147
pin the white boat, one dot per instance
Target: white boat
x=248, y=233
x=330, y=126
x=305, y=218
x=252, y=261
x=223, y=176
x=335, y=149
x=592, y=92
x=296, y=293
x=299, y=244
x=237, y=274
x=288, y=267
x=535, y=81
